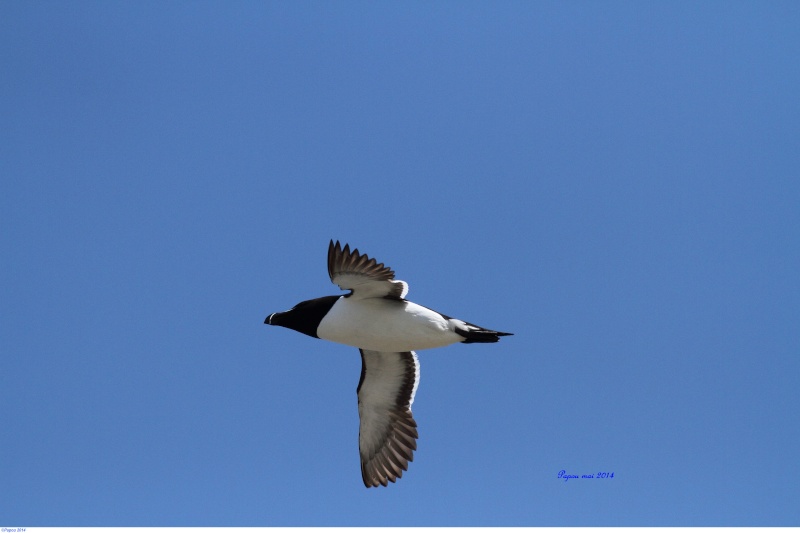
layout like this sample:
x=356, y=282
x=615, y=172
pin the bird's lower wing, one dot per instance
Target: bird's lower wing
x=387, y=433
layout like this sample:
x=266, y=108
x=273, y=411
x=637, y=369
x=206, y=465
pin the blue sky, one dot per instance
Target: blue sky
x=614, y=182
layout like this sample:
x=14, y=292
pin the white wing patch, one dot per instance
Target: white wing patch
x=364, y=287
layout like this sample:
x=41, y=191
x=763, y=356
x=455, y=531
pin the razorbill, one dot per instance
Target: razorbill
x=376, y=318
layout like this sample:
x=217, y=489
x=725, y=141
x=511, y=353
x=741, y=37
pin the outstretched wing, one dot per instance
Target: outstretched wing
x=365, y=277
x=387, y=435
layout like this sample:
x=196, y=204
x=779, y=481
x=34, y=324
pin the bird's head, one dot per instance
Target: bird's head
x=305, y=316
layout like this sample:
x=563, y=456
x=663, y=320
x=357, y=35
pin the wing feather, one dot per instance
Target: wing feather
x=387, y=431
x=365, y=277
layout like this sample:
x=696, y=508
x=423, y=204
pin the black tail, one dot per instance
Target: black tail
x=473, y=333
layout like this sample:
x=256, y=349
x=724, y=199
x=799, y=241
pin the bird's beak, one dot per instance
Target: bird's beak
x=268, y=320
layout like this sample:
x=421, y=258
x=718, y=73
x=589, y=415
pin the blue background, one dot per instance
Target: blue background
x=614, y=182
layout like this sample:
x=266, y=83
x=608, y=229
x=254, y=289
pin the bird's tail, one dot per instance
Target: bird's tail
x=473, y=333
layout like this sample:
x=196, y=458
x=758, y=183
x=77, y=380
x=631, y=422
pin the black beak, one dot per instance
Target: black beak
x=268, y=319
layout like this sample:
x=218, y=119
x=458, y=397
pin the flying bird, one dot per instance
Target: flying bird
x=376, y=318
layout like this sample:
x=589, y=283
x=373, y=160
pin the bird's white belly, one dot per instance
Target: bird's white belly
x=385, y=325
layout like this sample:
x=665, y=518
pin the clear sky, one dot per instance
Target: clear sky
x=614, y=182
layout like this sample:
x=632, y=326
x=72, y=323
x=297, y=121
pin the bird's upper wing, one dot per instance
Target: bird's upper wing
x=387, y=435
x=365, y=277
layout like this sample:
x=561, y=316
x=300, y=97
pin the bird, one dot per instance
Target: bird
x=375, y=317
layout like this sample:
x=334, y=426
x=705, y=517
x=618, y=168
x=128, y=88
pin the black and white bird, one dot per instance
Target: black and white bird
x=376, y=318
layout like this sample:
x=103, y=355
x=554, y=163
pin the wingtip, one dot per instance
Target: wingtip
x=331, y=254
